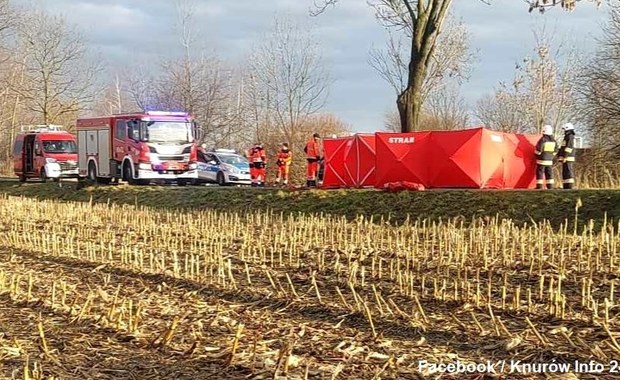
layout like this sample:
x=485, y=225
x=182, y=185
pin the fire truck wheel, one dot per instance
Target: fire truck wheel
x=43, y=176
x=127, y=174
x=92, y=172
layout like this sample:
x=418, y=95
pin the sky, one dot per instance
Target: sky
x=128, y=31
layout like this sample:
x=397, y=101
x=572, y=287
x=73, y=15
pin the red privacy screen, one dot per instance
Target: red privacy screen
x=472, y=158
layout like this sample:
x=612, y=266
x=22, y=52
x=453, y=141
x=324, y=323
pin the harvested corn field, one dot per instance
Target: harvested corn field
x=96, y=291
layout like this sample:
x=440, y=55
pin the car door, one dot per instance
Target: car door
x=202, y=166
x=212, y=166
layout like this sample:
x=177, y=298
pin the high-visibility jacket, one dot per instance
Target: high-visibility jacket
x=567, y=149
x=257, y=157
x=312, y=149
x=546, y=149
x=285, y=157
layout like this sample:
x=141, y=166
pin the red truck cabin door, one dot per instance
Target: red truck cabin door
x=18, y=156
x=119, y=144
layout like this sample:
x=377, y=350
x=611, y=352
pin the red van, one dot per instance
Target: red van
x=39, y=145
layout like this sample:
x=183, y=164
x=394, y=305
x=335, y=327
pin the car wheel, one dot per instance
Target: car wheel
x=221, y=180
x=43, y=175
x=182, y=182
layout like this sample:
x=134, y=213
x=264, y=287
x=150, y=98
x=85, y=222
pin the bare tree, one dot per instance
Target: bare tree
x=59, y=78
x=391, y=120
x=451, y=60
x=195, y=82
x=500, y=112
x=542, y=91
x=599, y=89
x=116, y=98
x=442, y=107
x=424, y=21
x=445, y=110
x=141, y=86
x=7, y=16
x=288, y=81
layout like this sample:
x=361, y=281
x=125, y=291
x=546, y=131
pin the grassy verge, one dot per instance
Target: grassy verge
x=520, y=206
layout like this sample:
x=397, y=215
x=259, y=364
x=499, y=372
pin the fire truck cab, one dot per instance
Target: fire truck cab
x=138, y=147
x=44, y=151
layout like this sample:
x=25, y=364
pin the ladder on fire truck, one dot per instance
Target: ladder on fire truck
x=40, y=128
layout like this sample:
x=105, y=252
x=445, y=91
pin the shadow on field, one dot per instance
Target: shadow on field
x=117, y=357
x=454, y=337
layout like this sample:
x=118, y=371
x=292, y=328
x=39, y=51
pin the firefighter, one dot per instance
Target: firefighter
x=285, y=157
x=566, y=156
x=258, y=165
x=313, y=156
x=546, y=149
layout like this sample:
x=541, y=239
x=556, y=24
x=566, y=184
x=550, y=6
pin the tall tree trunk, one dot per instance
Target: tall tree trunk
x=409, y=104
x=410, y=101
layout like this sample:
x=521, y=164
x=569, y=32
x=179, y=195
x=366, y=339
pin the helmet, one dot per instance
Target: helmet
x=569, y=127
x=316, y=136
x=548, y=130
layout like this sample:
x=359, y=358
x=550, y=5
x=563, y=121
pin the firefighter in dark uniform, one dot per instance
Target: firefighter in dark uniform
x=566, y=155
x=546, y=149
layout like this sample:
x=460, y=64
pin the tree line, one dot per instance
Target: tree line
x=48, y=75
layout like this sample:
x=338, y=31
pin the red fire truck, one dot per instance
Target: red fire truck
x=44, y=151
x=138, y=147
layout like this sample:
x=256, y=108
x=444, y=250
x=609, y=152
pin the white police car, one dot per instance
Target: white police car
x=223, y=166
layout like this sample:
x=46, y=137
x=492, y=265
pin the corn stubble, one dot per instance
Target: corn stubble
x=304, y=296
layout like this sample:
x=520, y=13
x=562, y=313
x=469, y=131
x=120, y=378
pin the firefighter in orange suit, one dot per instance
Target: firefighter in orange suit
x=285, y=157
x=546, y=149
x=313, y=156
x=258, y=165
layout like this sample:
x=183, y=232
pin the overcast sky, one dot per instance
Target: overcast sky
x=127, y=31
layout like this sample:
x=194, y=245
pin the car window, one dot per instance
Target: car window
x=233, y=159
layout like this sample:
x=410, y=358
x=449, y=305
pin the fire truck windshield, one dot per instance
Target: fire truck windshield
x=168, y=132
x=59, y=146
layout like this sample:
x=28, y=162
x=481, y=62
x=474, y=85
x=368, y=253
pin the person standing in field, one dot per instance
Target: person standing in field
x=258, y=165
x=313, y=156
x=546, y=149
x=566, y=156
x=285, y=158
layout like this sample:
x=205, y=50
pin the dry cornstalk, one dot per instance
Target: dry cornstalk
x=344, y=301
x=316, y=288
x=420, y=309
x=288, y=278
x=46, y=350
x=235, y=344
x=369, y=317
x=533, y=328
